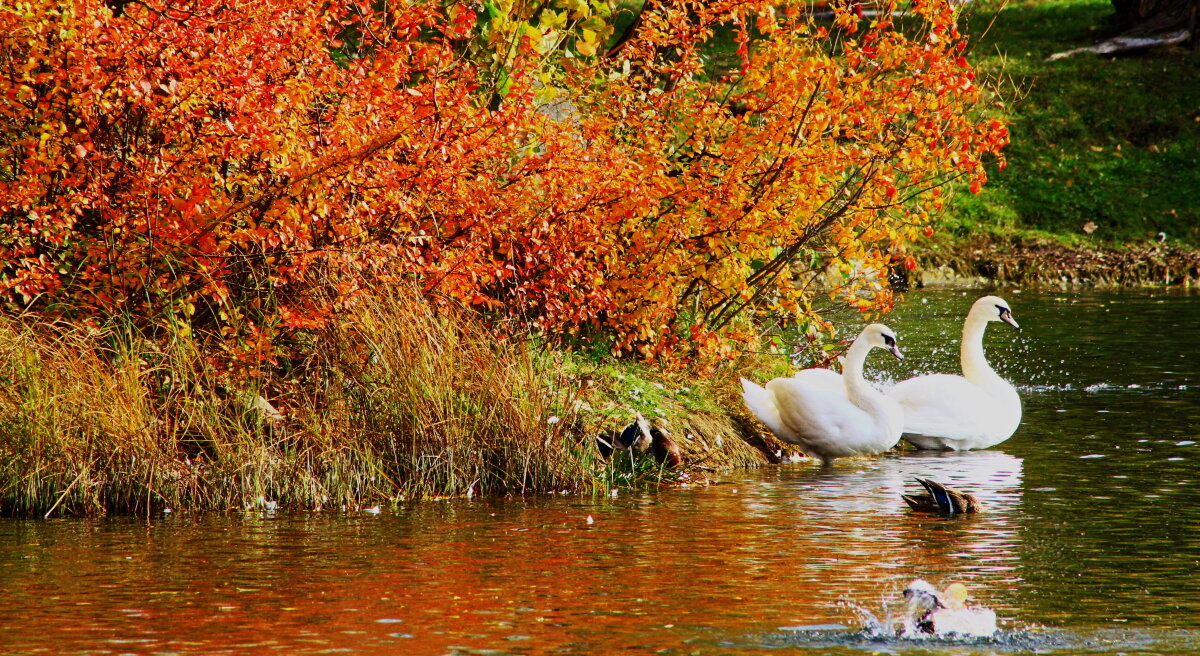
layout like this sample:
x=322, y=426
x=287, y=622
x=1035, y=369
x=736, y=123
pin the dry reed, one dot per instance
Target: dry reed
x=398, y=401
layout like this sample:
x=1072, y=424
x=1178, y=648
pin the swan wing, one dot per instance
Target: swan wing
x=826, y=379
x=763, y=405
x=949, y=407
x=825, y=422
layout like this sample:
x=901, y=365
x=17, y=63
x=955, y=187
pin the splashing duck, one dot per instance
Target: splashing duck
x=945, y=613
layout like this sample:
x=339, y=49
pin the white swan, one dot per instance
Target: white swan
x=945, y=613
x=829, y=415
x=976, y=410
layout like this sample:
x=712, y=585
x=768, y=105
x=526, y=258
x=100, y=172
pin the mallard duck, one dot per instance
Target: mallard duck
x=639, y=436
x=665, y=451
x=830, y=415
x=634, y=437
x=976, y=410
x=941, y=499
x=946, y=613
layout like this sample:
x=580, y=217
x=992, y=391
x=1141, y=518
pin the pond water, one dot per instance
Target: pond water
x=1089, y=543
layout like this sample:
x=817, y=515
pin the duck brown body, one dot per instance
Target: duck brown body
x=941, y=499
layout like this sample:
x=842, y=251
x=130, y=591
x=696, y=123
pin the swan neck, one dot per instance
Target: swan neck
x=974, y=362
x=858, y=390
x=856, y=357
x=883, y=411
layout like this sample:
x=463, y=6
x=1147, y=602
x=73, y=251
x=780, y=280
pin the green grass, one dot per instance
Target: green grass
x=1111, y=140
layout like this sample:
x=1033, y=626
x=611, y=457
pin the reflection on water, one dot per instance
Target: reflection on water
x=1088, y=542
x=832, y=505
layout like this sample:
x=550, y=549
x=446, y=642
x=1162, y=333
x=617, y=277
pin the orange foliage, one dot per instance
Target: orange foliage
x=247, y=168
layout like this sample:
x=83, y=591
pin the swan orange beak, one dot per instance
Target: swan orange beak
x=896, y=351
x=1007, y=318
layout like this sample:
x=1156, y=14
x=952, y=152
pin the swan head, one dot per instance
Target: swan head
x=994, y=308
x=880, y=336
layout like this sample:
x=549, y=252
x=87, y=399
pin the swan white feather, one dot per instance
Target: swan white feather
x=976, y=410
x=823, y=378
x=830, y=415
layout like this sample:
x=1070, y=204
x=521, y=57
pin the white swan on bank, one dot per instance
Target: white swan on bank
x=976, y=410
x=830, y=415
x=945, y=613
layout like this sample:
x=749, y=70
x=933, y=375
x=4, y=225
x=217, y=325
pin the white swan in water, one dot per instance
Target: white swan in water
x=830, y=415
x=945, y=613
x=976, y=410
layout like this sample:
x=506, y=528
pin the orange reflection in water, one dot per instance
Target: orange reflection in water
x=713, y=570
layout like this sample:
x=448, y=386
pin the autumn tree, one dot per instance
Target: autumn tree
x=242, y=170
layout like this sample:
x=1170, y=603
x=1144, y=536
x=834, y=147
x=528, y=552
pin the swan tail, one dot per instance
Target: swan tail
x=760, y=402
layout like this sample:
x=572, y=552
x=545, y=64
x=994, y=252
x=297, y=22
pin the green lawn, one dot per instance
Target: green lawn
x=1114, y=141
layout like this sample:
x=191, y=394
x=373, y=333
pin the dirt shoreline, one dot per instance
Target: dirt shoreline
x=1034, y=261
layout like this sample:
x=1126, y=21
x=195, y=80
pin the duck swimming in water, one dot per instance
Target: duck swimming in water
x=941, y=499
x=945, y=613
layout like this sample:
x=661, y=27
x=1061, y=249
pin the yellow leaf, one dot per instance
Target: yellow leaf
x=551, y=19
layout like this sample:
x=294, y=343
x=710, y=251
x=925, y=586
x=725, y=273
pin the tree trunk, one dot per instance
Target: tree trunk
x=1149, y=17
x=1146, y=24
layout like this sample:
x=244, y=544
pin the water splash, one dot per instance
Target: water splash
x=891, y=625
x=1097, y=388
x=872, y=626
x=1026, y=640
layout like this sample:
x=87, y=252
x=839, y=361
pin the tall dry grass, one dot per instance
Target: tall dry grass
x=397, y=401
x=444, y=407
x=76, y=433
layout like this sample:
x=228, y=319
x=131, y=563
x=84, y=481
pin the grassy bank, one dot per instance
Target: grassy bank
x=1105, y=151
x=401, y=401
x=398, y=402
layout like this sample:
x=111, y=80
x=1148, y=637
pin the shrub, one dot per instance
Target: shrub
x=245, y=170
